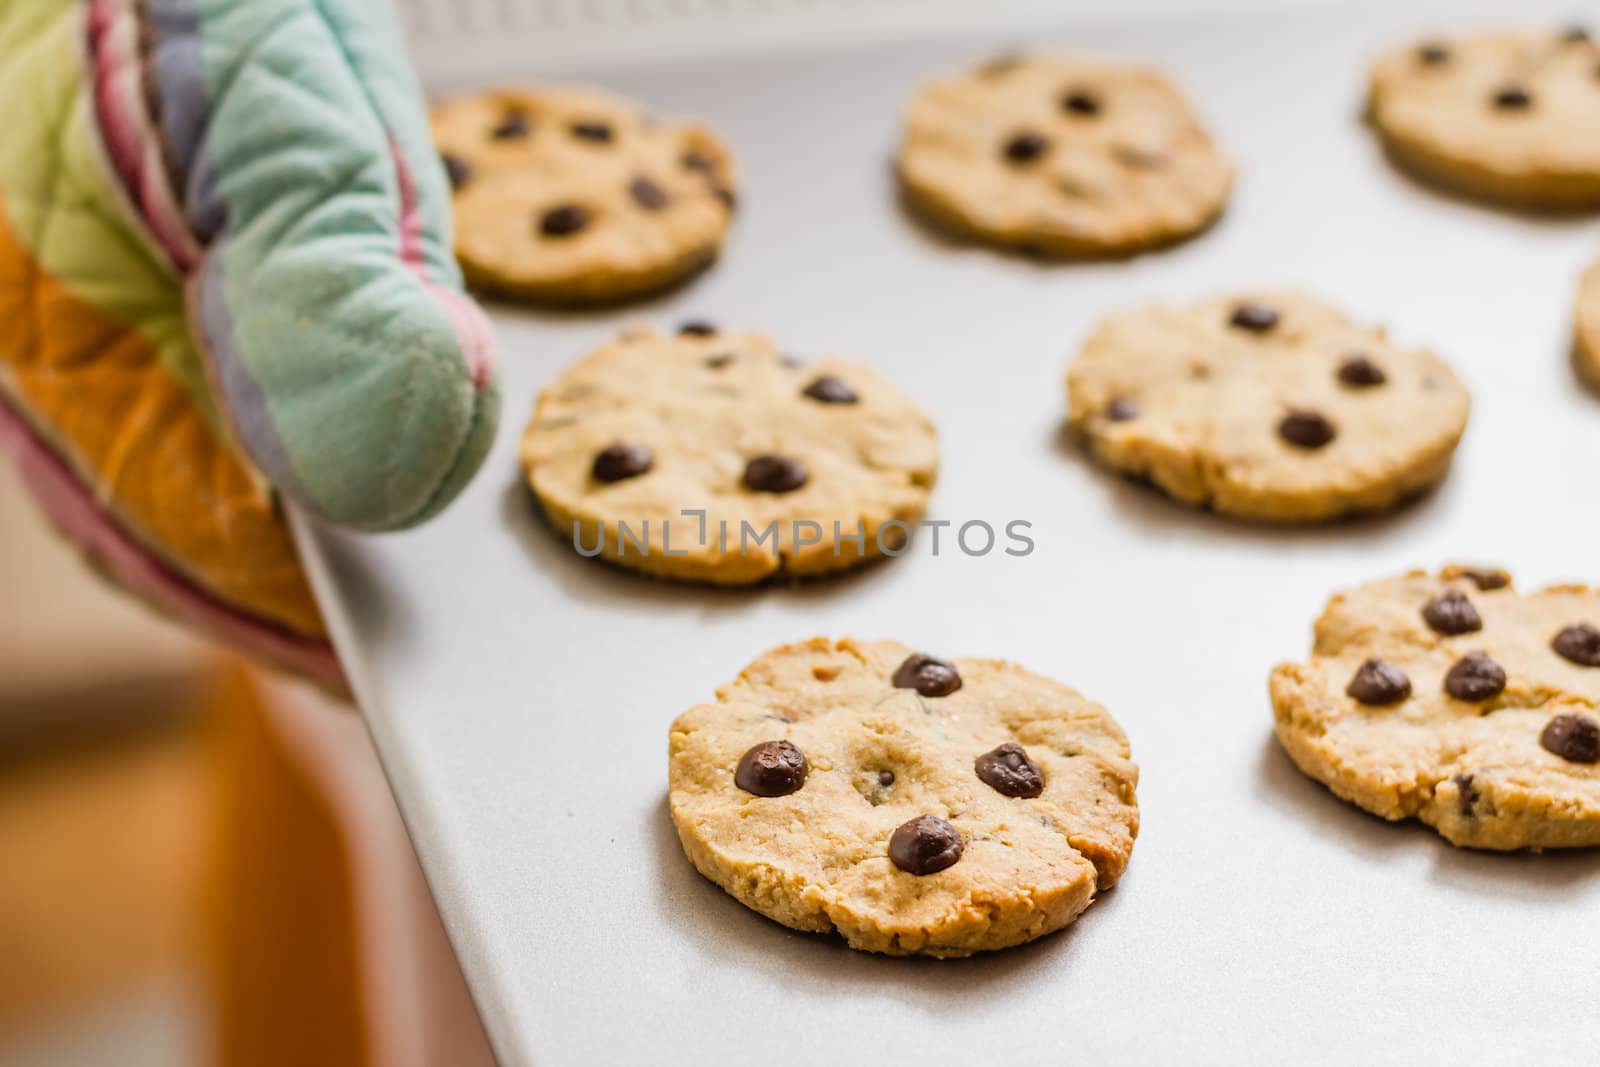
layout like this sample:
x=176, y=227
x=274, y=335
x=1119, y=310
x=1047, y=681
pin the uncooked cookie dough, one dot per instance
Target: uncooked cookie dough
x=1062, y=157
x=1513, y=118
x=910, y=803
x=1453, y=699
x=1271, y=406
x=1586, y=326
x=711, y=456
x=572, y=195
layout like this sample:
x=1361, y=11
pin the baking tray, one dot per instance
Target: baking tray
x=520, y=696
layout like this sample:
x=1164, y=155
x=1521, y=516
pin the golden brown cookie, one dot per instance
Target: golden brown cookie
x=1272, y=406
x=572, y=195
x=912, y=805
x=1508, y=117
x=711, y=457
x=1586, y=326
x=1062, y=157
x=1453, y=699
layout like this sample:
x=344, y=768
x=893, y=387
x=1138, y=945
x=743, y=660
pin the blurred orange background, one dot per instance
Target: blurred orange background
x=200, y=863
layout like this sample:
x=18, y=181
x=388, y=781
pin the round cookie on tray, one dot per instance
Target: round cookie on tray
x=1272, y=407
x=1453, y=699
x=571, y=195
x=1586, y=326
x=1512, y=118
x=712, y=457
x=1061, y=157
x=913, y=805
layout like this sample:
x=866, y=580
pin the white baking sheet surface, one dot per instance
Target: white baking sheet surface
x=520, y=695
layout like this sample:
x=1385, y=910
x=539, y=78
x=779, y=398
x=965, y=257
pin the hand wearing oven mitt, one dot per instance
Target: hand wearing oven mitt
x=225, y=275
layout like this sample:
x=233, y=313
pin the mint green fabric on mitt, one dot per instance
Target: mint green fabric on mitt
x=312, y=222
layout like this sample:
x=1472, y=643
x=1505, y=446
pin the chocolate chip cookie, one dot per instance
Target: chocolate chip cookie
x=1586, y=326
x=1453, y=699
x=1062, y=157
x=1272, y=406
x=711, y=456
x=571, y=195
x=913, y=804
x=1513, y=118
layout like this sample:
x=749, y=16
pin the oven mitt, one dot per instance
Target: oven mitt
x=225, y=274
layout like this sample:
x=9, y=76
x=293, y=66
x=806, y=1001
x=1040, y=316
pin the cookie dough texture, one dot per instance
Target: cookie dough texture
x=1473, y=770
x=705, y=408
x=571, y=195
x=1512, y=118
x=1062, y=157
x=1586, y=326
x=1196, y=404
x=818, y=859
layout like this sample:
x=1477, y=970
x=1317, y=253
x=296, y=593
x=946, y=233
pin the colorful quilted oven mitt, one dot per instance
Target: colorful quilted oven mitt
x=225, y=272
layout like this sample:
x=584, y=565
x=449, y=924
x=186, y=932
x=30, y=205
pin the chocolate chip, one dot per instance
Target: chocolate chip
x=774, y=474
x=1575, y=34
x=697, y=328
x=1466, y=795
x=928, y=676
x=830, y=390
x=772, y=769
x=729, y=200
x=1451, y=613
x=1379, y=683
x=1122, y=409
x=722, y=359
x=1257, y=318
x=1306, y=429
x=1080, y=102
x=591, y=131
x=925, y=845
x=1513, y=98
x=458, y=170
x=621, y=461
x=1486, y=579
x=1575, y=738
x=1009, y=771
x=514, y=126
x=886, y=778
x=1433, y=54
x=1025, y=147
x=1475, y=677
x=563, y=221
x=1361, y=372
x=1580, y=644
x=647, y=194
x=698, y=161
